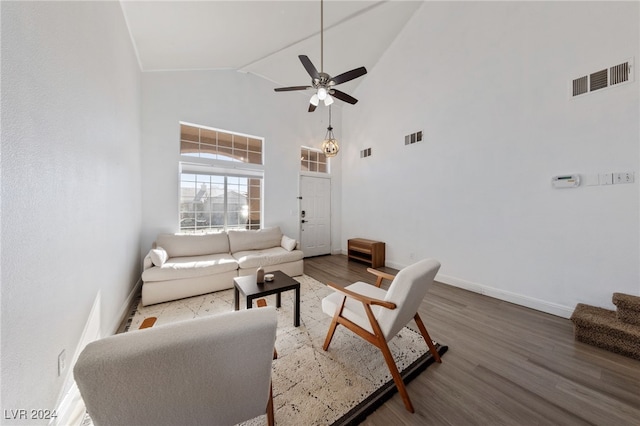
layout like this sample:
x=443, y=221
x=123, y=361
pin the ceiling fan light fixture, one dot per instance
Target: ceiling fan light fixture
x=328, y=100
x=322, y=82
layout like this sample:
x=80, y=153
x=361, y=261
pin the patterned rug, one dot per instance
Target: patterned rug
x=312, y=387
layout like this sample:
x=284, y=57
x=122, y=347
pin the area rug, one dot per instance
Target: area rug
x=312, y=387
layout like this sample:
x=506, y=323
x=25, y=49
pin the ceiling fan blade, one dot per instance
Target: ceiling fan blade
x=343, y=96
x=308, y=65
x=289, y=89
x=349, y=75
x=312, y=107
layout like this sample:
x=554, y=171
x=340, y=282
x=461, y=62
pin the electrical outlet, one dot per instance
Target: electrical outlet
x=625, y=177
x=62, y=362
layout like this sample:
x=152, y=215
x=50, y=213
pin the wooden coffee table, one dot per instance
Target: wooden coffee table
x=252, y=290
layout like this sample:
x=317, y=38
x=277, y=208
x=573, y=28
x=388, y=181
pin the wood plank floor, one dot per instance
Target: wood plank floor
x=506, y=364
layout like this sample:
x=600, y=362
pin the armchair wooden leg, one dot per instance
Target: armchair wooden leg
x=332, y=329
x=397, y=378
x=427, y=338
x=378, y=340
x=334, y=325
x=270, y=417
x=261, y=303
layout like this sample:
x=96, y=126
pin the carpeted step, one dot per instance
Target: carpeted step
x=601, y=327
x=627, y=307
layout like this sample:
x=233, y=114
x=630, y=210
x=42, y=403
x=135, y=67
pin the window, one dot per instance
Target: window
x=220, y=180
x=313, y=160
x=212, y=202
x=205, y=142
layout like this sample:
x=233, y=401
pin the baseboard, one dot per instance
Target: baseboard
x=394, y=265
x=507, y=296
x=125, y=309
x=70, y=409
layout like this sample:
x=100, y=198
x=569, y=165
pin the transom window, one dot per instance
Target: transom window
x=215, y=144
x=220, y=180
x=313, y=160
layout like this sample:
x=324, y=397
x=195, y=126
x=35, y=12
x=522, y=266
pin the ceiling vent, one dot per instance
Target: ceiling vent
x=603, y=79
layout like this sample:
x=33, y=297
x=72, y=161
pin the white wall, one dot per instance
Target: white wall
x=488, y=85
x=71, y=207
x=236, y=102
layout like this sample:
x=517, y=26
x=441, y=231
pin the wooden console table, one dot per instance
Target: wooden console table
x=368, y=251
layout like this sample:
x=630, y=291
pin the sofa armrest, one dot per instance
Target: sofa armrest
x=147, y=263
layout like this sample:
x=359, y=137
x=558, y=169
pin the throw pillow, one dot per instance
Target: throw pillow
x=288, y=243
x=159, y=256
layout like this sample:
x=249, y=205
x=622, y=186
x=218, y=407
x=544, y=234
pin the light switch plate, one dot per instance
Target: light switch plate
x=606, y=179
x=591, y=180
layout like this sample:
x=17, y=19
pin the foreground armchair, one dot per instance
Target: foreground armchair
x=209, y=371
x=377, y=315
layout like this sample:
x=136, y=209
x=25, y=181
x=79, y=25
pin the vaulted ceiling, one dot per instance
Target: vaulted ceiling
x=264, y=37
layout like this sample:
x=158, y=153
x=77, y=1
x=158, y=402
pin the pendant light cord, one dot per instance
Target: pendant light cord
x=321, y=35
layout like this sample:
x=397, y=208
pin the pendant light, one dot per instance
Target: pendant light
x=330, y=145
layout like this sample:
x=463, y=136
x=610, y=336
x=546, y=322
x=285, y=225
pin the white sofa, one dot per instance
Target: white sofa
x=185, y=265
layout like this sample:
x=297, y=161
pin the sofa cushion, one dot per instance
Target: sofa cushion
x=267, y=257
x=254, y=240
x=178, y=245
x=191, y=267
x=158, y=256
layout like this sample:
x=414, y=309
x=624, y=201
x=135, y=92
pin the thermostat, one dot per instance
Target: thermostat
x=565, y=181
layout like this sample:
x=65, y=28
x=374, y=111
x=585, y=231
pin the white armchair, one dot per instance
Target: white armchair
x=212, y=370
x=377, y=315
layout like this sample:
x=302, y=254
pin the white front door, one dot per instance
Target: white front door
x=315, y=215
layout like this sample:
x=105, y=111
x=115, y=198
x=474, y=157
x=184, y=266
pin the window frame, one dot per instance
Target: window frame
x=232, y=160
x=226, y=168
x=314, y=172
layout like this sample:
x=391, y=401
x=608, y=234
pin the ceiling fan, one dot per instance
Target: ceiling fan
x=322, y=82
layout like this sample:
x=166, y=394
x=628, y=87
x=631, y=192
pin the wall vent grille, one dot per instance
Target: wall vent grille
x=580, y=85
x=602, y=79
x=365, y=153
x=413, y=138
x=598, y=80
x=619, y=73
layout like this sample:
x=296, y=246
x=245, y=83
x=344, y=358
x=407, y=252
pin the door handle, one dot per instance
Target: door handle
x=303, y=221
